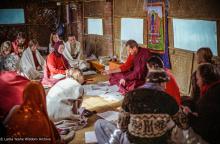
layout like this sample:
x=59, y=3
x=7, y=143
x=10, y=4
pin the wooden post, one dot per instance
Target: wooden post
x=83, y=25
x=113, y=27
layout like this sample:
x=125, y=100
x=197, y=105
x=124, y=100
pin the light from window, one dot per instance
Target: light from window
x=12, y=16
x=95, y=26
x=132, y=28
x=194, y=34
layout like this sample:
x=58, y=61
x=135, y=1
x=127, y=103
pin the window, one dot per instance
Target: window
x=95, y=26
x=132, y=28
x=12, y=16
x=193, y=34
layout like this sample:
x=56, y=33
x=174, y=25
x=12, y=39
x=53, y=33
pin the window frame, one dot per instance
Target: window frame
x=14, y=24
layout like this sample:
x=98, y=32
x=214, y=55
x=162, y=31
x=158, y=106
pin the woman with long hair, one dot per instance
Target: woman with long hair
x=206, y=121
x=54, y=37
x=203, y=55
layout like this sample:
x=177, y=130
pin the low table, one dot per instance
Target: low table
x=114, y=65
x=96, y=65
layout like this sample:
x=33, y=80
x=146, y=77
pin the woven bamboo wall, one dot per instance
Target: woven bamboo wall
x=127, y=9
x=102, y=44
x=94, y=9
x=195, y=9
x=184, y=62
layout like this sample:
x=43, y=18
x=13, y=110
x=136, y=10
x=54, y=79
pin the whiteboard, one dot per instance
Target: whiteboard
x=132, y=28
x=194, y=34
x=95, y=26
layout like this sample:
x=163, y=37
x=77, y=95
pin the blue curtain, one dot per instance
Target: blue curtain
x=165, y=56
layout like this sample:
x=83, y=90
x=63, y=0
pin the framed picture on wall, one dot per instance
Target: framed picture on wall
x=155, y=27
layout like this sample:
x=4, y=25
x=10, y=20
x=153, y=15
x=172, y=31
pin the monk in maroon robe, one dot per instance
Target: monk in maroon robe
x=131, y=74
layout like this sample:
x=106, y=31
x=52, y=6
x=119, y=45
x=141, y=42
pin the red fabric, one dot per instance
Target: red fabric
x=56, y=64
x=12, y=86
x=172, y=87
x=35, y=60
x=128, y=64
x=139, y=70
x=15, y=46
x=206, y=87
x=129, y=86
x=136, y=75
x=47, y=80
x=31, y=119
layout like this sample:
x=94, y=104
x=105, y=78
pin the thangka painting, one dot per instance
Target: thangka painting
x=155, y=27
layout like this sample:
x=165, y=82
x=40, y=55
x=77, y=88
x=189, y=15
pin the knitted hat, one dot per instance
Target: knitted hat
x=157, y=75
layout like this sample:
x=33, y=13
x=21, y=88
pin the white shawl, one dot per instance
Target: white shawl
x=61, y=98
x=27, y=63
x=75, y=62
x=67, y=51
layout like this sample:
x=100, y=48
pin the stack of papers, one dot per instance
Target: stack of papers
x=90, y=72
x=103, y=90
x=58, y=76
x=111, y=116
x=112, y=96
x=90, y=137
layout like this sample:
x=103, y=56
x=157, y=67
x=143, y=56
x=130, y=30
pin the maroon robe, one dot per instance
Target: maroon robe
x=134, y=77
x=36, y=63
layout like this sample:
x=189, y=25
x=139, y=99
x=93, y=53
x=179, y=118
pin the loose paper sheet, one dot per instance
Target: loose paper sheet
x=109, y=115
x=90, y=137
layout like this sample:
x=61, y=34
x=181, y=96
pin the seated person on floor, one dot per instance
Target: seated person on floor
x=32, y=63
x=30, y=119
x=146, y=116
x=73, y=53
x=171, y=86
x=54, y=37
x=12, y=86
x=10, y=61
x=205, y=120
x=65, y=97
x=132, y=73
x=56, y=63
x=63, y=102
x=203, y=55
x=20, y=50
x=20, y=40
